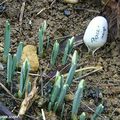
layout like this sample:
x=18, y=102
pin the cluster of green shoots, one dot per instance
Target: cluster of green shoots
x=60, y=89
x=61, y=86
x=13, y=62
x=55, y=50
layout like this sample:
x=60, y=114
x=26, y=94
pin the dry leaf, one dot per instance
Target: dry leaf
x=112, y=12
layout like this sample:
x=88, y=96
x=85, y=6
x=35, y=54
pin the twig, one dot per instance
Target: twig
x=54, y=75
x=113, y=112
x=35, y=75
x=92, y=110
x=89, y=10
x=87, y=74
x=7, y=91
x=94, y=11
x=86, y=68
x=60, y=72
x=46, y=8
x=105, y=4
x=28, y=100
x=43, y=114
x=43, y=9
x=21, y=13
x=31, y=74
x=52, y=3
x=64, y=37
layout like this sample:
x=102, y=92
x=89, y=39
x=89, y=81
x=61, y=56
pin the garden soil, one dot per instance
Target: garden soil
x=103, y=86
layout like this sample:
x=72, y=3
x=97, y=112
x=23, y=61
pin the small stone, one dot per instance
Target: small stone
x=30, y=52
x=2, y=8
x=69, y=97
x=66, y=12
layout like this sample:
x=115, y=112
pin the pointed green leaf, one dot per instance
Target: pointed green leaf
x=74, y=57
x=83, y=116
x=98, y=111
x=24, y=77
x=55, y=52
x=77, y=98
x=56, y=89
x=61, y=97
x=9, y=68
x=19, y=52
x=41, y=37
x=14, y=64
x=66, y=52
x=6, y=41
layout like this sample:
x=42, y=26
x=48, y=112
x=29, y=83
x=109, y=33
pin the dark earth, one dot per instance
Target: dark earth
x=63, y=20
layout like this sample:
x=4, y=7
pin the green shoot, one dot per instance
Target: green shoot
x=48, y=42
x=56, y=90
x=44, y=26
x=61, y=97
x=65, y=56
x=77, y=99
x=6, y=41
x=3, y=118
x=62, y=112
x=98, y=111
x=14, y=64
x=19, y=52
x=41, y=41
x=83, y=116
x=57, y=75
x=42, y=29
x=71, y=44
x=24, y=78
x=9, y=68
x=68, y=49
x=54, y=53
x=74, y=57
x=72, y=69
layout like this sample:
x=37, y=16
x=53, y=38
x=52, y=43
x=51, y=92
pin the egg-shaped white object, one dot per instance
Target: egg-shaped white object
x=96, y=33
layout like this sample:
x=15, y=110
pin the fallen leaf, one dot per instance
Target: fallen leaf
x=112, y=13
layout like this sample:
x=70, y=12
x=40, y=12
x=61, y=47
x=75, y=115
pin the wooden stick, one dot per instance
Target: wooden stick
x=21, y=13
x=7, y=91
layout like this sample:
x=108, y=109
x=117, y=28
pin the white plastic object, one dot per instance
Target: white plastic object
x=96, y=34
